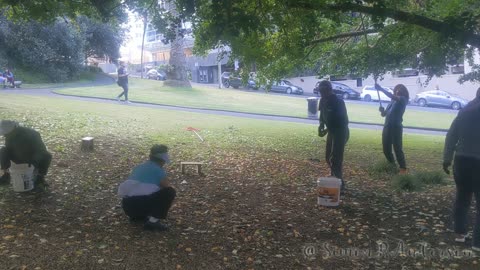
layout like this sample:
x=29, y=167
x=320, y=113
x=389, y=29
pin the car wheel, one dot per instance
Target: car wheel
x=456, y=105
x=345, y=96
x=227, y=84
x=367, y=98
x=289, y=90
x=422, y=102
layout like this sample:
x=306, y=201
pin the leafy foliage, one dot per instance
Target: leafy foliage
x=57, y=50
x=339, y=37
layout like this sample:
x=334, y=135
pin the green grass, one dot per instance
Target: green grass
x=407, y=182
x=227, y=99
x=62, y=122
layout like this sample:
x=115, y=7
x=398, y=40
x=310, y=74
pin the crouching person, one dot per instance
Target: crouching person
x=146, y=194
x=23, y=145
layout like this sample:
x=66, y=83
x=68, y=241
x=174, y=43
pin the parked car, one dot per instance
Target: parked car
x=236, y=82
x=369, y=93
x=406, y=72
x=284, y=86
x=154, y=74
x=441, y=99
x=341, y=90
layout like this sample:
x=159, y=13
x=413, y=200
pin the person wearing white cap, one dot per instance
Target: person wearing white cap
x=146, y=194
x=23, y=145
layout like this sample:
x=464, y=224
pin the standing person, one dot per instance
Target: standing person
x=462, y=140
x=392, y=134
x=122, y=81
x=23, y=145
x=334, y=122
x=147, y=195
x=10, y=78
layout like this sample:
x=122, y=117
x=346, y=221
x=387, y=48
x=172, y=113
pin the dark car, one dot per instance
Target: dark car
x=236, y=82
x=340, y=90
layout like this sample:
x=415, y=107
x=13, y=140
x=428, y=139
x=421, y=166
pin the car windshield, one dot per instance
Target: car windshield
x=287, y=82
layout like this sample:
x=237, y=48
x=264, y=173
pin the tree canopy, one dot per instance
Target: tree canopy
x=341, y=37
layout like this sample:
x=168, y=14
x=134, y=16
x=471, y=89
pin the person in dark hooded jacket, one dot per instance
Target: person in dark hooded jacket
x=334, y=122
x=462, y=146
x=23, y=145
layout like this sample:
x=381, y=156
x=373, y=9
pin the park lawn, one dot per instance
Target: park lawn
x=255, y=208
x=253, y=102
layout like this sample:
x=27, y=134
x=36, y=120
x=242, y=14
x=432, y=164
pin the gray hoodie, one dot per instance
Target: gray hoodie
x=463, y=137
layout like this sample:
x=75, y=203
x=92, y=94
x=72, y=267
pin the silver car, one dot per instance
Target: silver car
x=440, y=99
x=287, y=87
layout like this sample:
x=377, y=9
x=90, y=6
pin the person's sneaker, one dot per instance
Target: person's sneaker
x=5, y=179
x=128, y=102
x=477, y=249
x=155, y=226
x=403, y=171
x=118, y=99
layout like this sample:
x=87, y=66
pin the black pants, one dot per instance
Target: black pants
x=392, y=136
x=41, y=161
x=125, y=91
x=155, y=205
x=334, y=150
x=466, y=171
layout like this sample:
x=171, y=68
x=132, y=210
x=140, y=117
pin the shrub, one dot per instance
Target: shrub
x=431, y=178
x=383, y=168
x=406, y=182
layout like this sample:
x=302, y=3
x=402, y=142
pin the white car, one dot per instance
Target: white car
x=369, y=93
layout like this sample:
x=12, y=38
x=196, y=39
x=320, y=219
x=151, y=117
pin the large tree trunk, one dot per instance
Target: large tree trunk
x=177, y=75
x=178, y=62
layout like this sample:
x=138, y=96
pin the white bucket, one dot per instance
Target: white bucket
x=21, y=177
x=328, y=190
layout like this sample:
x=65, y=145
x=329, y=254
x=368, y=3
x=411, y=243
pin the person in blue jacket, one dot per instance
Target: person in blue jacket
x=146, y=194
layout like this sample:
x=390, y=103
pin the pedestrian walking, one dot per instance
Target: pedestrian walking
x=122, y=81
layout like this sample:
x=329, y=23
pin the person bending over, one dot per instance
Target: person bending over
x=23, y=145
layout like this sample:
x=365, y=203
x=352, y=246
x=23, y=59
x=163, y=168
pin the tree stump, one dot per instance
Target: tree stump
x=87, y=144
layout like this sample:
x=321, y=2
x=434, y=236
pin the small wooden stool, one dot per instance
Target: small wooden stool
x=87, y=144
x=198, y=165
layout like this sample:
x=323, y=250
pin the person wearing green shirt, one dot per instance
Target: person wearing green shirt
x=23, y=145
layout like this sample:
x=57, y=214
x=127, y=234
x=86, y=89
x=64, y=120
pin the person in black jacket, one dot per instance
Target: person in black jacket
x=23, y=145
x=392, y=134
x=334, y=122
x=122, y=81
x=462, y=139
